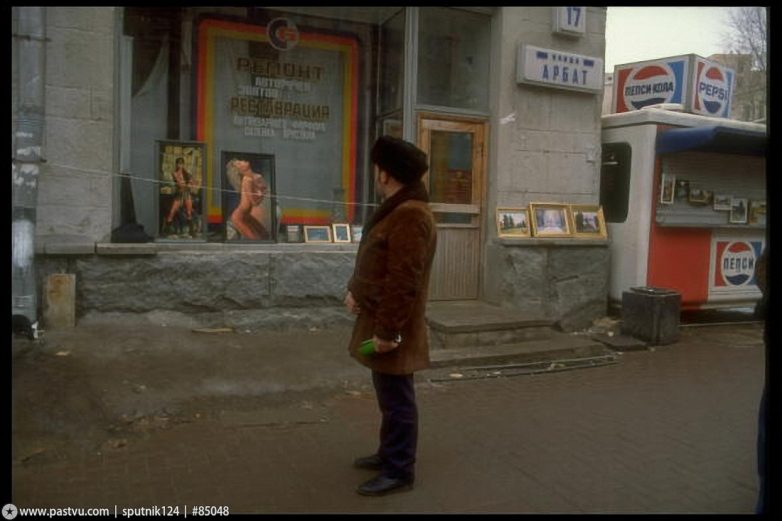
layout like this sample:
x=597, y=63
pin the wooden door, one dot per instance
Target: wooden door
x=456, y=149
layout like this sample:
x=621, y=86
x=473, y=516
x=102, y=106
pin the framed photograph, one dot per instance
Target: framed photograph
x=513, y=222
x=588, y=221
x=550, y=220
x=341, y=232
x=757, y=212
x=682, y=189
x=699, y=196
x=667, y=188
x=722, y=202
x=180, y=210
x=356, y=232
x=738, y=210
x=317, y=234
x=248, y=204
x=293, y=232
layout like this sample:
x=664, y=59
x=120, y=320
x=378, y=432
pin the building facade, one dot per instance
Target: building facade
x=238, y=138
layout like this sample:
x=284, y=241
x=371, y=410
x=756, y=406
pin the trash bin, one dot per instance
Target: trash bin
x=651, y=314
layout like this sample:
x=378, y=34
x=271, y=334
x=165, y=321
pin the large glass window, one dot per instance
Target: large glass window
x=392, y=53
x=151, y=35
x=229, y=108
x=239, y=115
x=453, y=58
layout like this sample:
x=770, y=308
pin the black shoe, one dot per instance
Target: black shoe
x=372, y=462
x=382, y=485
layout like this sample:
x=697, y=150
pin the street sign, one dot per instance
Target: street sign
x=558, y=69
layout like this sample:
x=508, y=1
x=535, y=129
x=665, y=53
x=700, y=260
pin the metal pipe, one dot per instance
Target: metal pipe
x=27, y=142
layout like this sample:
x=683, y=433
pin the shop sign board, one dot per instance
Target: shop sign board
x=558, y=69
x=713, y=86
x=282, y=90
x=701, y=86
x=732, y=264
x=638, y=85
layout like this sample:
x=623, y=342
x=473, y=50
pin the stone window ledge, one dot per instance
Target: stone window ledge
x=153, y=248
x=79, y=245
x=64, y=245
x=545, y=242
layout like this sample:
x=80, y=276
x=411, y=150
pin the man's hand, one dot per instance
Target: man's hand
x=383, y=346
x=351, y=304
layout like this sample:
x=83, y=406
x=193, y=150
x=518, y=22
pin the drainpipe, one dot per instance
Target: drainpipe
x=27, y=142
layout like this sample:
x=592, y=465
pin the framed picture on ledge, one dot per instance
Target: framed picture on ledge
x=700, y=197
x=356, y=232
x=341, y=232
x=317, y=234
x=667, y=188
x=248, y=202
x=513, y=222
x=588, y=221
x=722, y=202
x=550, y=220
x=738, y=210
x=180, y=210
x=757, y=212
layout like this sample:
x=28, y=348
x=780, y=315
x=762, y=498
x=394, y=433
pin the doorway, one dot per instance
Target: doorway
x=457, y=159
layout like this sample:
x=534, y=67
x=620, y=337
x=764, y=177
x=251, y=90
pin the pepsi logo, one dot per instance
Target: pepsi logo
x=283, y=34
x=738, y=263
x=649, y=85
x=713, y=89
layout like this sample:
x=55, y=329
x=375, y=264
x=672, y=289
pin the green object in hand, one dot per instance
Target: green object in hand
x=367, y=347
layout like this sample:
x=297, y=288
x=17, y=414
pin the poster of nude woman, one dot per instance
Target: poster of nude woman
x=248, y=197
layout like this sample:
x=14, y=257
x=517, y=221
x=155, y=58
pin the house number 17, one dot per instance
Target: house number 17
x=570, y=20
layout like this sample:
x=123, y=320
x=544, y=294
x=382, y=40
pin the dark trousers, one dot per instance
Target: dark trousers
x=399, y=427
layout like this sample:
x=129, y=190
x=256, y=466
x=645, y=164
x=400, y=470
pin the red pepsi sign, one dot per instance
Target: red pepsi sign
x=735, y=263
x=650, y=83
x=712, y=89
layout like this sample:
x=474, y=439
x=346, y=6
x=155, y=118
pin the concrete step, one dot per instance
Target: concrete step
x=460, y=324
x=557, y=346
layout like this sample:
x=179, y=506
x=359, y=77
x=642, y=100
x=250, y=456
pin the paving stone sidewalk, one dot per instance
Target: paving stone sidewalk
x=671, y=430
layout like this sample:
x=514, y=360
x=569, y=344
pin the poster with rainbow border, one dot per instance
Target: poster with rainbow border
x=275, y=89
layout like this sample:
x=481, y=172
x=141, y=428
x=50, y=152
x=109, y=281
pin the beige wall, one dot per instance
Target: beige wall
x=75, y=190
x=545, y=141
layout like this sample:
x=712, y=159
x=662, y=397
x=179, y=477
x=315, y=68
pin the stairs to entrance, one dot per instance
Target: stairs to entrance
x=471, y=332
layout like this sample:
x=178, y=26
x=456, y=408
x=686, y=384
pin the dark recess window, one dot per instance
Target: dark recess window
x=615, y=181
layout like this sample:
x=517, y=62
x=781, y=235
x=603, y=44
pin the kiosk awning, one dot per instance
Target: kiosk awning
x=724, y=140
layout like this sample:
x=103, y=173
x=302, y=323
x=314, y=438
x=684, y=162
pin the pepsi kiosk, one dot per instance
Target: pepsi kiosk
x=682, y=186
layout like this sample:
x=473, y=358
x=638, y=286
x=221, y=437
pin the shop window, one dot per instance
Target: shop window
x=453, y=58
x=153, y=42
x=615, y=181
x=213, y=88
x=392, y=52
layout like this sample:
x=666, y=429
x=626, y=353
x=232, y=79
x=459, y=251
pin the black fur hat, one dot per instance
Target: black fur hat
x=404, y=161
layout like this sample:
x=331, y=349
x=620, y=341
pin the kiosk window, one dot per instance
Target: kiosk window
x=615, y=181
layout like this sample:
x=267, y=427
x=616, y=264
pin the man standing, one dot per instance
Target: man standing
x=388, y=293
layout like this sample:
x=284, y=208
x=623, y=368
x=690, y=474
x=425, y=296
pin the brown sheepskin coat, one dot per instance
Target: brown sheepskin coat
x=391, y=279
